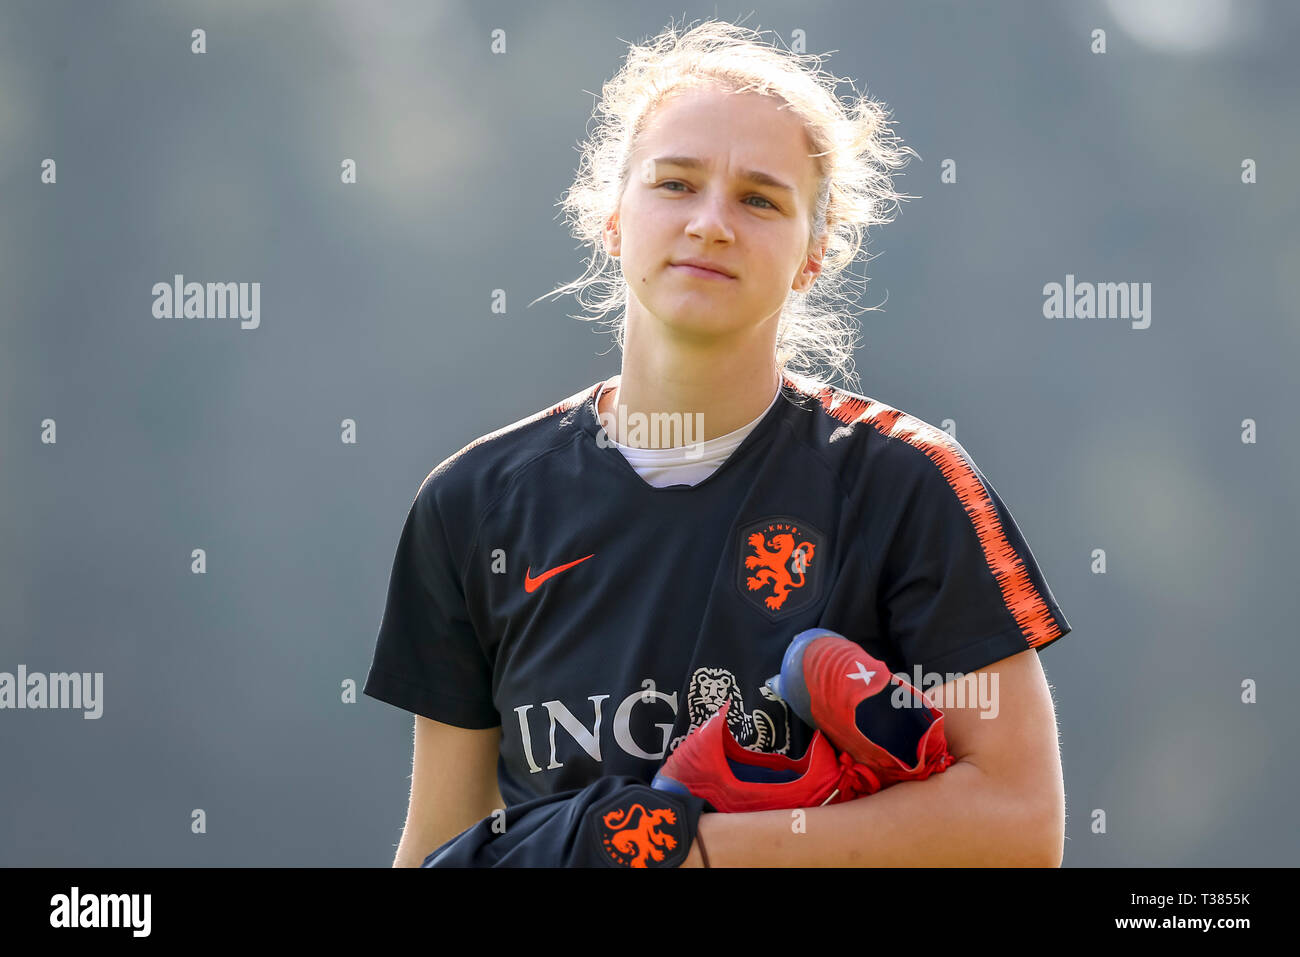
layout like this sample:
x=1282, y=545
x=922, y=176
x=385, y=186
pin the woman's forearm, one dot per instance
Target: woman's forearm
x=957, y=818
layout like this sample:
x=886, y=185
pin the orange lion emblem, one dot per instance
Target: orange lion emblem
x=642, y=841
x=775, y=564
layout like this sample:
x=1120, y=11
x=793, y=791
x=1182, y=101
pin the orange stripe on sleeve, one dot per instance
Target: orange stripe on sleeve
x=1022, y=599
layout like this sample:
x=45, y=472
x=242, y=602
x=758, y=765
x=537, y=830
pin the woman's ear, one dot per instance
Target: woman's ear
x=613, y=243
x=812, y=268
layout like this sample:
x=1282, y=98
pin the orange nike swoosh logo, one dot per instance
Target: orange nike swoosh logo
x=531, y=584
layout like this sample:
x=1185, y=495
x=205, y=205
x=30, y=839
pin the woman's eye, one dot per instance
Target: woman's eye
x=673, y=182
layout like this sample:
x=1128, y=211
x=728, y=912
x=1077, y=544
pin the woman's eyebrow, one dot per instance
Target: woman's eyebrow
x=752, y=175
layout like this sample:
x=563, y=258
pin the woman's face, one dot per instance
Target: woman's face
x=718, y=212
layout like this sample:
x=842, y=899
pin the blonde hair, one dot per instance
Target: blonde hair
x=855, y=151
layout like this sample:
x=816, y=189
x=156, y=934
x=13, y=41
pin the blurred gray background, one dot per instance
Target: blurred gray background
x=222, y=691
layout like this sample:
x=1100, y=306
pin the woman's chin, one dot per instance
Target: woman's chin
x=695, y=323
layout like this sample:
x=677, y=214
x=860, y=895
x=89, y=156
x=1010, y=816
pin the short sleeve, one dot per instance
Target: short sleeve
x=958, y=587
x=428, y=659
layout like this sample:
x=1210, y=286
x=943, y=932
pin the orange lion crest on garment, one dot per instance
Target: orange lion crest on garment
x=778, y=566
x=635, y=844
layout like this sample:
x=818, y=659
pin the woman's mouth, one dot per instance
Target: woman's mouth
x=701, y=273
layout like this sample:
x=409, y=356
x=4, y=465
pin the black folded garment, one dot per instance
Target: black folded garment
x=616, y=821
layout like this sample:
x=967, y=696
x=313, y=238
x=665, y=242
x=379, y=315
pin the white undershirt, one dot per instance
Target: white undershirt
x=686, y=464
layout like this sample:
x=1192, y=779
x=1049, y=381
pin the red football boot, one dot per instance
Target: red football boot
x=711, y=764
x=836, y=687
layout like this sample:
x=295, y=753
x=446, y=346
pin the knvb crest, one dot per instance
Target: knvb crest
x=641, y=833
x=779, y=565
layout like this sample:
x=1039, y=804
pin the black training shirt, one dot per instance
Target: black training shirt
x=542, y=585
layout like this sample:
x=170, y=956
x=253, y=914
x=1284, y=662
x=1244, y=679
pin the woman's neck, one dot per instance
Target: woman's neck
x=717, y=411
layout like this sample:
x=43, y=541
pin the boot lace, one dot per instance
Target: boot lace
x=855, y=779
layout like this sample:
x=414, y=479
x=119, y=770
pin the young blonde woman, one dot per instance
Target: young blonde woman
x=577, y=592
